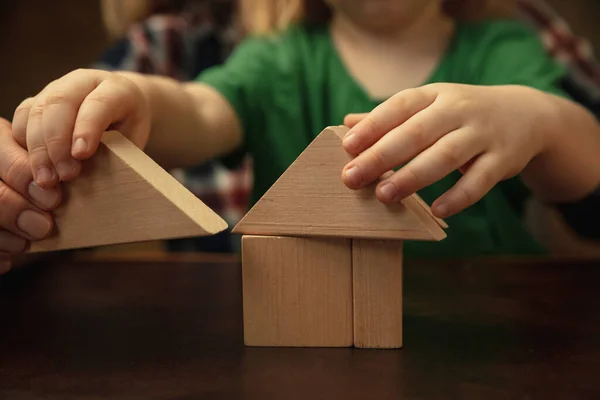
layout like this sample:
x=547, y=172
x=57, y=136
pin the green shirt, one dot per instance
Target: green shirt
x=287, y=88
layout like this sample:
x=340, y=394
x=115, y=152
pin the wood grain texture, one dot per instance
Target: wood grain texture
x=377, y=292
x=297, y=292
x=123, y=196
x=310, y=199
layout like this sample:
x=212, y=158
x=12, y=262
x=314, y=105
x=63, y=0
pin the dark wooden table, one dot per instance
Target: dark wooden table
x=170, y=328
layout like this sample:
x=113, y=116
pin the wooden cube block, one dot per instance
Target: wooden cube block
x=377, y=290
x=297, y=292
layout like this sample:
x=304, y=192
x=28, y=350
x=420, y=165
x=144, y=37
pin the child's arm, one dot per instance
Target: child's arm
x=178, y=125
x=191, y=123
x=489, y=133
x=568, y=169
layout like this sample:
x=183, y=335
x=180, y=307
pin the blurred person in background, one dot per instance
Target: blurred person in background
x=181, y=38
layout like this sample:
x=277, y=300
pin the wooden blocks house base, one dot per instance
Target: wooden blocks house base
x=297, y=292
x=321, y=292
x=326, y=270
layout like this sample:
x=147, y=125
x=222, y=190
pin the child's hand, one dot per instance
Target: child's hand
x=64, y=123
x=49, y=136
x=485, y=132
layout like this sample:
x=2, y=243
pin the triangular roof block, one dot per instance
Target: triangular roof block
x=310, y=199
x=123, y=196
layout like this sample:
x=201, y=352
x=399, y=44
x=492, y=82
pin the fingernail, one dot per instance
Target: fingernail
x=353, y=177
x=11, y=244
x=45, y=198
x=65, y=169
x=388, y=191
x=44, y=174
x=35, y=225
x=80, y=146
x=442, y=210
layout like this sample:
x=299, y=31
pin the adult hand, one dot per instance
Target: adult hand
x=24, y=206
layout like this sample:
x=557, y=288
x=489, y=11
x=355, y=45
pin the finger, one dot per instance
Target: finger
x=11, y=244
x=50, y=126
x=400, y=145
x=19, y=123
x=20, y=217
x=351, y=120
x=447, y=155
x=42, y=169
x=62, y=107
x=478, y=180
x=60, y=110
x=385, y=117
x=114, y=103
x=15, y=171
x=62, y=100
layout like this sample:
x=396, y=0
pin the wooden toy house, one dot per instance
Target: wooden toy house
x=322, y=264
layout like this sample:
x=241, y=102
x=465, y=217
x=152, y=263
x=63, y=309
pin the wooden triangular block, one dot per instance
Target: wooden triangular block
x=310, y=199
x=123, y=196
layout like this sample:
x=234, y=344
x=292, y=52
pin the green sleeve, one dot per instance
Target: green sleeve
x=244, y=81
x=516, y=55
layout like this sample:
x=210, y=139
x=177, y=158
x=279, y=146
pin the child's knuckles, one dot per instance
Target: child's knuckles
x=128, y=89
x=23, y=107
x=38, y=151
x=464, y=105
x=37, y=109
x=377, y=162
x=55, y=141
x=58, y=97
x=102, y=99
x=418, y=136
x=408, y=179
x=450, y=157
x=483, y=181
x=369, y=127
x=86, y=73
x=401, y=100
x=461, y=197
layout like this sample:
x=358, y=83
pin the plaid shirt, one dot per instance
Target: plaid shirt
x=182, y=46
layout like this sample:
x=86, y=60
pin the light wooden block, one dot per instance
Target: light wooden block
x=297, y=292
x=310, y=199
x=377, y=291
x=123, y=196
